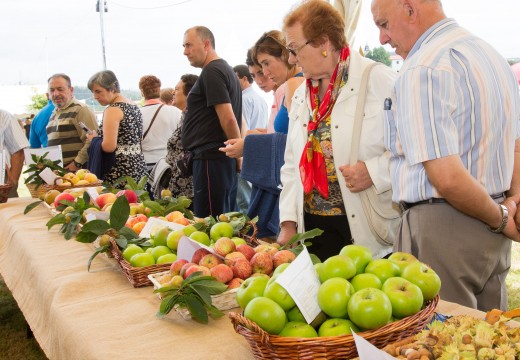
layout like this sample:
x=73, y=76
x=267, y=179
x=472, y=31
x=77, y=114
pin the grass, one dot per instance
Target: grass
x=16, y=345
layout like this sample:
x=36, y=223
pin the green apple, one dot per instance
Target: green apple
x=276, y=292
x=221, y=229
x=267, y=314
x=238, y=241
x=425, y=278
x=158, y=251
x=166, y=259
x=366, y=280
x=298, y=329
x=406, y=298
x=200, y=237
x=251, y=288
x=172, y=241
x=142, y=260
x=280, y=269
x=383, y=269
x=295, y=314
x=369, y=308
x=131, y=250
x=189, y=229
x=333, y=297
x=337, y=266
x=336, y=327
x=160, y=235
x=359, y=254
x=402, y=259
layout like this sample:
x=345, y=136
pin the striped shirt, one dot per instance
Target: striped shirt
x=455, y=96
x=12, y=137
x=63, y=129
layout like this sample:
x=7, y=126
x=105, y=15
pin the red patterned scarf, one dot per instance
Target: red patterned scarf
x=312, y=163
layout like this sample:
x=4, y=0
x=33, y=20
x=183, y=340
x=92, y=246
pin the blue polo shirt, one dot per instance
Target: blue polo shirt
x=38, y=133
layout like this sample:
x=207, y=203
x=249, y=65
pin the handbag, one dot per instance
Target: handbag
x=383, y=215
x=185, y=164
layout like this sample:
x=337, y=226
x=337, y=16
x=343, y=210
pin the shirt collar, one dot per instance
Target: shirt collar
x=152, y=102
x=431, y=33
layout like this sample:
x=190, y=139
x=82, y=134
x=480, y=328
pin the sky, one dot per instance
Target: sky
x=42, y=37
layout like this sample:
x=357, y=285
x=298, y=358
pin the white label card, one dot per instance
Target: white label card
x=92, y=192
x=48, y=176
x=301, y=281
x=187, y=248
x=54, y=154
x=367, y=351
x=92, y=214
x=154, y=222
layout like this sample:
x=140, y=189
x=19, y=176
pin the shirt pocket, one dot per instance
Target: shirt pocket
x=390, y=131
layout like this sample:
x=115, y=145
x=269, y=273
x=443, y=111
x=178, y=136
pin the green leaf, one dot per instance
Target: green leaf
x=86, y=237
x=167, y=304
x=156, y=208
x=121, y=242
x=98, y=227
x=301, y=237
x=214, y=312
x=201, y=292
x=212, y=287
x=98, y=251
x=128, y=233
x=197, y=309
x=31, y=206
x=142, y=182
x=55, y=220
x=119, y=212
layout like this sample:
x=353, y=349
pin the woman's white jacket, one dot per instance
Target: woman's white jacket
x=371, y=150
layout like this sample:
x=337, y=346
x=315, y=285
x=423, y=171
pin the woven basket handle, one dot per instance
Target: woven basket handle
x=62, y=179
x=239, y=320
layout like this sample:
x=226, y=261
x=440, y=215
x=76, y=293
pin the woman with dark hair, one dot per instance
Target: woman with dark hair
x=321, y=188
x=159, y=121
x=121, y=128
x=179, y=183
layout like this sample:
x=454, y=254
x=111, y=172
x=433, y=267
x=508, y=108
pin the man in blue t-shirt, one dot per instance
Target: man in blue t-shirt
x=38, y=132
x=213, y=115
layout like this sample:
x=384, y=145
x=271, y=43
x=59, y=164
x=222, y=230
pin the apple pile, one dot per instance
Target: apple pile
x=356, y=293
x=80, y=177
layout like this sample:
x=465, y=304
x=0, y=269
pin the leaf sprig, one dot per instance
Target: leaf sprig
x=39, y=164
x=194, y=294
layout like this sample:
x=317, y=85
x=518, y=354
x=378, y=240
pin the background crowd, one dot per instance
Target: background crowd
x=421, y=161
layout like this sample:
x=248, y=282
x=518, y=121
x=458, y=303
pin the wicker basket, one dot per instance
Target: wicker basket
x=137, y=276
x=266, y=346
x=4, y=192
x=36, y=193
x=225, y=301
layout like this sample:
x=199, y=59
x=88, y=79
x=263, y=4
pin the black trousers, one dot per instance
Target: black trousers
x=336, y=234
x=214, y=186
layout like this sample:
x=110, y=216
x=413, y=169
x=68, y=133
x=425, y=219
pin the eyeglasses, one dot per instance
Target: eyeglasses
x=297, y=50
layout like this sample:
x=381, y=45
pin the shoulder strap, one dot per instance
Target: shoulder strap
x=360, y=110
x=153, y=119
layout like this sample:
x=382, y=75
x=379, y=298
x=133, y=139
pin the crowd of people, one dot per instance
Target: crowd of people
x=425, y=161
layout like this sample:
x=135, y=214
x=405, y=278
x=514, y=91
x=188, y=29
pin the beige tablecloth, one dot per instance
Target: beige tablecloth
x=80, y=315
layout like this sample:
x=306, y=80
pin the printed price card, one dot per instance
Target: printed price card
x=187, y=248
x=367, y=351
x=48, y=176
x=301, y=281
x=154, y=222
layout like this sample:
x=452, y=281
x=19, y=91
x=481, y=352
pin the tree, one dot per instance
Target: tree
x=38, y=101
x=379, y=54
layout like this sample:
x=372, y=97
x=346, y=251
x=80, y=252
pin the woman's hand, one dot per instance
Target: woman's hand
x=91, y=135
x=234, y=148
x=287, y=231
x=356, y=177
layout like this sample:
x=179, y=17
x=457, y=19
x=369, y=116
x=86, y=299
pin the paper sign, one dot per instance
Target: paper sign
x=92, y=214
x=54, y=154
x=187, y=248
x=154, y=223
x=48, y=176
x=367, y=351
x=92, y=192
x=301, y=281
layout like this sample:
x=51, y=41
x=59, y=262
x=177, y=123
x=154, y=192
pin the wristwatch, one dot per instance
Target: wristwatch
x=503, y=224
x=77, y=164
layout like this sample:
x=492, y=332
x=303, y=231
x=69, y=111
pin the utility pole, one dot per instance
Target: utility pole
x=102, y=8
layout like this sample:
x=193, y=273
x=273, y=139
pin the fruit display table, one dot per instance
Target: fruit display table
x=75, y=314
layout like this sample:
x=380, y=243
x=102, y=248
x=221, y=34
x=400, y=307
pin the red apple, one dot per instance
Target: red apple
x=224, y=246
x=282, y=257
x=210, y=261
x=175, y=268
x=232, y=257
x=241, y=268
x=235, y=283
x=262, y=263
x=131, y=196
x=195, y=268
x=270, y=249
x=105, y=199
x=63, y=196
x=222, y=273
x=198, y=255
x=247, y=250
x=185, y=267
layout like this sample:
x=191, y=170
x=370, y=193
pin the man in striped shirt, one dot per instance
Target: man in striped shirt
x=64, y=125
x=453, y=132
x=12, y=139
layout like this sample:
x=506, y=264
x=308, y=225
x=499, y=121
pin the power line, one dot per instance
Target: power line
x=150, y=8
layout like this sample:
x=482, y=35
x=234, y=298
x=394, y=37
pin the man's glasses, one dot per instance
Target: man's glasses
x=297, y=50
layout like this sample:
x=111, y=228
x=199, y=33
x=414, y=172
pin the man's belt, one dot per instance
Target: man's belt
x=406, y=205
